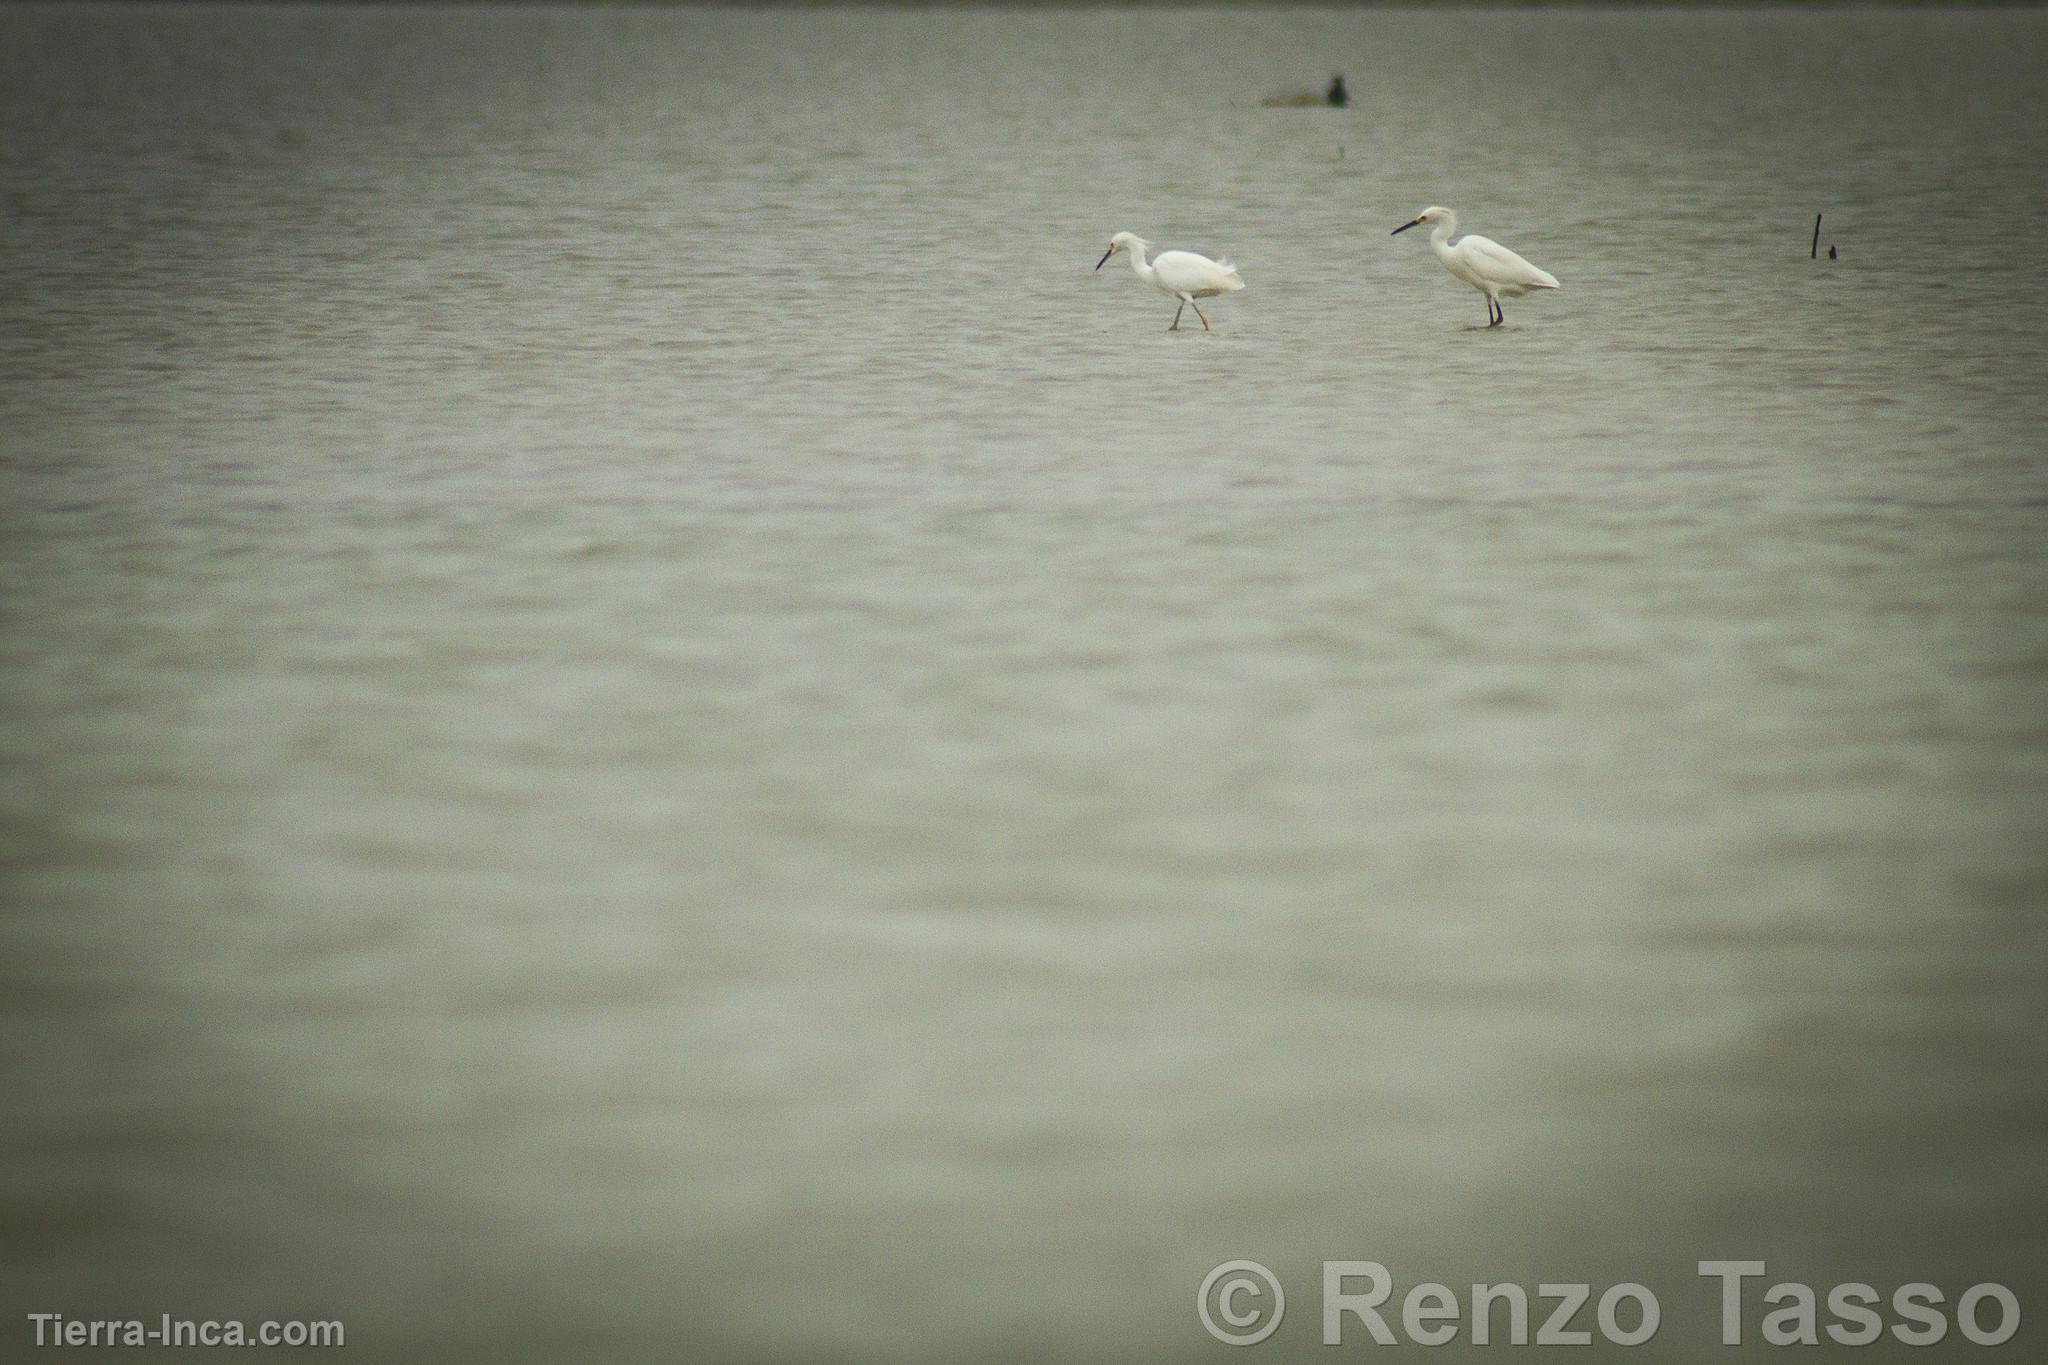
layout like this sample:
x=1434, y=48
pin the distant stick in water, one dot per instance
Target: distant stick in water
x=1816, y=236
x=1338, y=95
x=1831, y=252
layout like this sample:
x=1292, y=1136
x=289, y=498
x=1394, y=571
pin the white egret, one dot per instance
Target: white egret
x=1180, y=274
x=1481, y=262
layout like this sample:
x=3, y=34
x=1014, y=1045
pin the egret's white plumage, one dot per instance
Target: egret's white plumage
x=1481, y=262
x=1182, y=275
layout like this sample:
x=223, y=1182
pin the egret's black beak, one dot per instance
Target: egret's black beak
x=1404, y=227
x=1105, y=258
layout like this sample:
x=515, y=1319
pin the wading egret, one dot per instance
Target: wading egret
x=1481, y=262
x=1180, y=274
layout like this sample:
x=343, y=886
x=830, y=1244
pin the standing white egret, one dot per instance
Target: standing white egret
x=1180, y=274
x=1481, y=262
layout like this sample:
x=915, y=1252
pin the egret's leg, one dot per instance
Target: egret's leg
x=1198, y=313
x=1175, y=325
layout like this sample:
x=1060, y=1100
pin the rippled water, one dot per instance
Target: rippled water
x=642, y=722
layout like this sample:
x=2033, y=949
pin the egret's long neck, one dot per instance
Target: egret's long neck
x=1137, y=250
x=1440, y=239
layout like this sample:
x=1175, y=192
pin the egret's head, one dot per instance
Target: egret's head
x=1434, y=213
x=1118, y=243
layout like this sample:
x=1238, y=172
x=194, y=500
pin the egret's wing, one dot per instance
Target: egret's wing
x=1503, y=266
x=1192, y=271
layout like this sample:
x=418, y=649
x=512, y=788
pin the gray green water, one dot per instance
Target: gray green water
x=642, y=723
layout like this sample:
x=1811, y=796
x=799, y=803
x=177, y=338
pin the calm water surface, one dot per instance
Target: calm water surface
x=641, y=722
